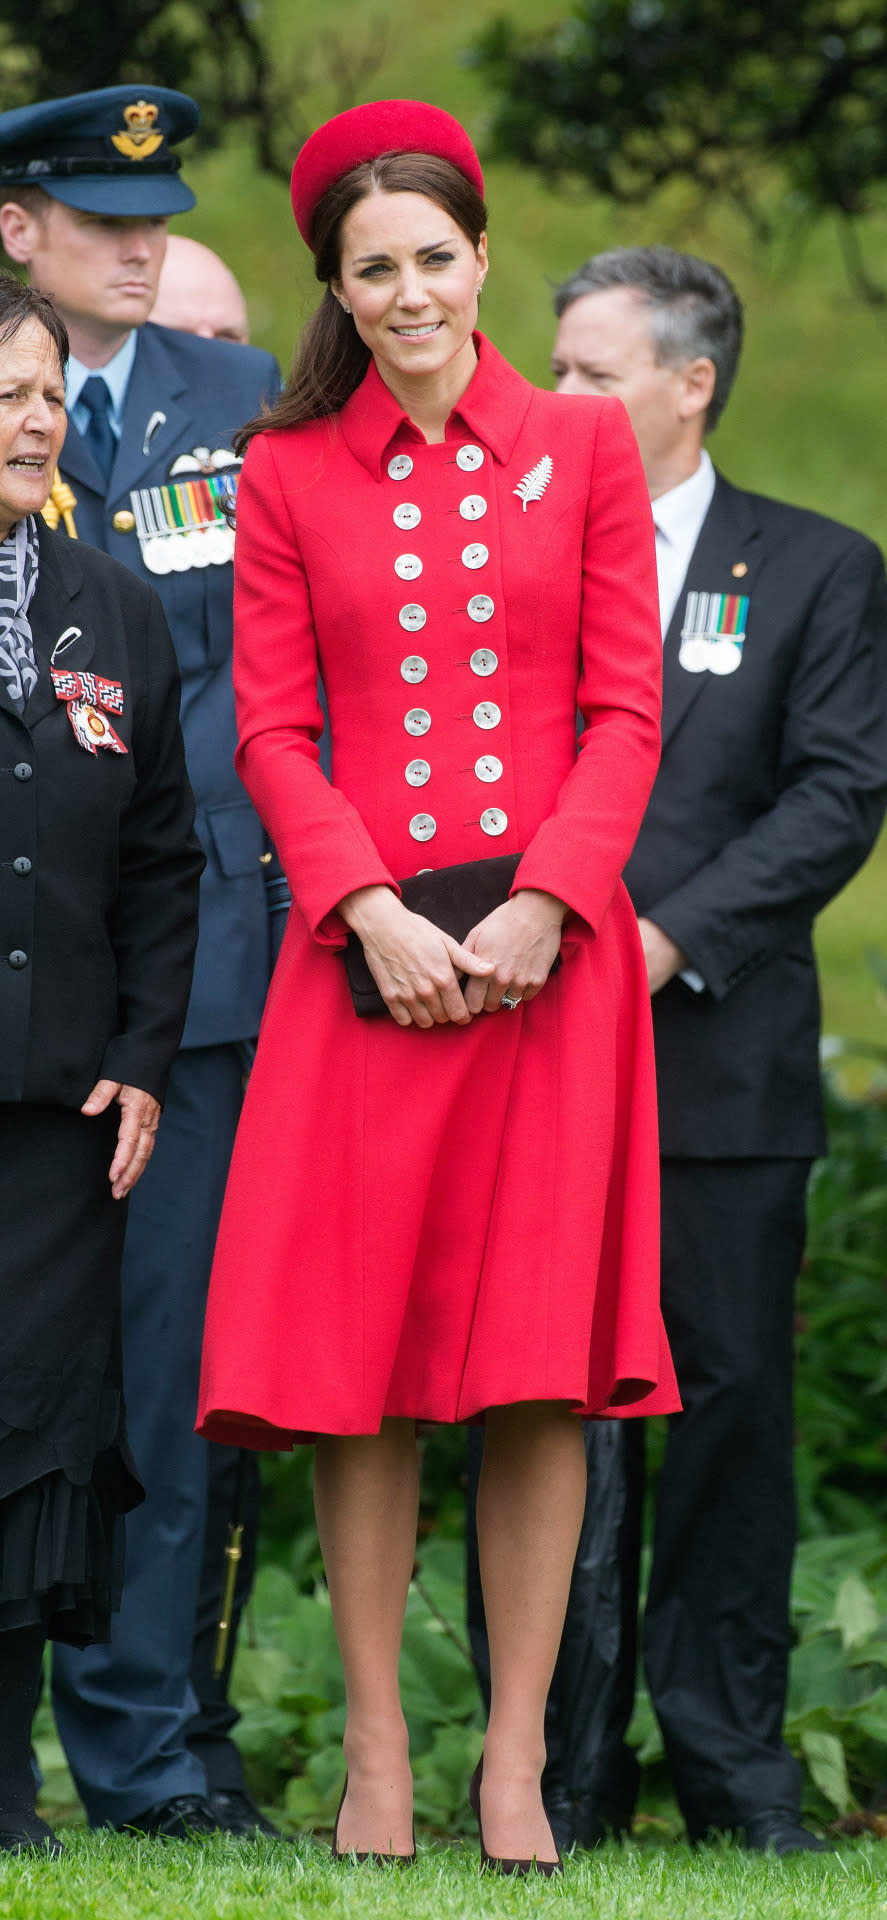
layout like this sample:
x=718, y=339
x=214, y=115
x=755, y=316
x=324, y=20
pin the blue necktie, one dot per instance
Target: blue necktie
x=99, y=435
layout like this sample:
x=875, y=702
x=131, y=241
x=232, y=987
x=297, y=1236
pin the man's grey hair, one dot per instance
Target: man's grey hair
x=695, y=311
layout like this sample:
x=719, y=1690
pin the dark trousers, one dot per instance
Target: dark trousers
x=716, y=1630
x=125, y=1711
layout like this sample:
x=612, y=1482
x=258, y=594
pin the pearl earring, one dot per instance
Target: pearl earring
x=345, y=307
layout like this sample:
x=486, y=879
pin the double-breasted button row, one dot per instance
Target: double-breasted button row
x=483, y=662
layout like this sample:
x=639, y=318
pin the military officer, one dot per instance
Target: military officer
x=86, y=188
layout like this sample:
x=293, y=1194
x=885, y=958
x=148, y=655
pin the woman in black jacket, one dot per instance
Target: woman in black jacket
x=99, y=868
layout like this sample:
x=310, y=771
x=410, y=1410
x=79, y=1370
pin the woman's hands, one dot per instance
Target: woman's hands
x=416, y=967
x=139, y=1114
x=522, y=937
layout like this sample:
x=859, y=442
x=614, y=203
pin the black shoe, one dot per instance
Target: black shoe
x=187, y=1817
x=494, y=1862
x=776, y=1830
x=235, y=1812
x=32, y=1836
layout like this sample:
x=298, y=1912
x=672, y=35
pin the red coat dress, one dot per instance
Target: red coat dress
x=429, y=1222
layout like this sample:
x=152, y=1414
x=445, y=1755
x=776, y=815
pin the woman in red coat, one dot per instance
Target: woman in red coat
x=450, y=1211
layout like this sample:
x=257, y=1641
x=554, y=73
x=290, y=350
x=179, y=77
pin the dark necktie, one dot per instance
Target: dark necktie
x=99, y=435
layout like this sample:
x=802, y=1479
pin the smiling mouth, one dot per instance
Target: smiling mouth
x=418, y=333
x=28, y=462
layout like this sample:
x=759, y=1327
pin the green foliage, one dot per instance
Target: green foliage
x=633, y=94
x=841, y=1452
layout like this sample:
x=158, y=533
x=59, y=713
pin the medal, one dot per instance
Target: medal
x=713, y=632
x=185, y=524
x=89, y=698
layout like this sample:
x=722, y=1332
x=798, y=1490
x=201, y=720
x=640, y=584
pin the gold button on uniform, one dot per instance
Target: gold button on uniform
x=124, y=521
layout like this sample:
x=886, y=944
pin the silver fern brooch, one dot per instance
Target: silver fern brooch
x=534, y=483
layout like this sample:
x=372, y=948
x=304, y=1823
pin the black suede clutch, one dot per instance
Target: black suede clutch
x=454, y=898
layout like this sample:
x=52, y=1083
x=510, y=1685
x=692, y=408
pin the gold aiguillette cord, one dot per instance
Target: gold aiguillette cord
x=60, y=506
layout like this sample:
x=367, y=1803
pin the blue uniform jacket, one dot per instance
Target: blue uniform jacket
x=205, y=389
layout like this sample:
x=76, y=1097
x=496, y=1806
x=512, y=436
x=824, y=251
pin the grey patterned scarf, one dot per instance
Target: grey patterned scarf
x=19, y=555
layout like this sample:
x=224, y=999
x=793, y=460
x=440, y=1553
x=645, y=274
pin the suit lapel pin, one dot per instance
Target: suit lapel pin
x=713, y=632
x=739, y=569
x=534, y=483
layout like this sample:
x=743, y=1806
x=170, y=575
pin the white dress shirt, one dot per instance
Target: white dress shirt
x=116, y=377
x=678, y=516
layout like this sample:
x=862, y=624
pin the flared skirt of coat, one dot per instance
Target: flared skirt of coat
x=426, y=1223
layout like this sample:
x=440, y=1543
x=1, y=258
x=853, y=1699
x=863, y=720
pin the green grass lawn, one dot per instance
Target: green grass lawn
x=106, y=1877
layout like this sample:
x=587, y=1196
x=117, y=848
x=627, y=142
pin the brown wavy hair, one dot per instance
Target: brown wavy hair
x=331, y=358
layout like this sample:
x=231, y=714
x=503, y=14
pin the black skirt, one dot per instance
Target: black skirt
x=66, y=1474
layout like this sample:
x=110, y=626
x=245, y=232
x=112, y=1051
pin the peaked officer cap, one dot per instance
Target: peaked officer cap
x=363, y=133
x=109, y=151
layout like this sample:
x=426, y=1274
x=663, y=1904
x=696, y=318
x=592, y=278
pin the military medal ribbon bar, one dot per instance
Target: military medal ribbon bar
x=713, y=632
x=185, y=524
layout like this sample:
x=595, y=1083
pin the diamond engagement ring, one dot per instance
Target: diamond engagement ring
x=511, y=1000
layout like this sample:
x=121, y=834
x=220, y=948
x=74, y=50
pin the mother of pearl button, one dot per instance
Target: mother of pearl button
x=481, y=607
x=484, y=661
x=400, y=467
x=493, y=820
x=418, y=772
x=408, y=566
x=475, y=556
x=488, y=767
x=406, y=516
x=473, y=507
x=487, y=714
x=423, y=826
x=413, y=668
x=412, y=617
x=418, y=720
x=469, y=458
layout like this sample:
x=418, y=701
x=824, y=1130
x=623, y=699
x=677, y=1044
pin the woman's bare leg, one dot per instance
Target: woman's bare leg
x=530, y=1502
x=366, y=1494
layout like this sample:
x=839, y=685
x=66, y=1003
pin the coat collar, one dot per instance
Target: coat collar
x=157, y=386
x=493, y=408
x=730, y=536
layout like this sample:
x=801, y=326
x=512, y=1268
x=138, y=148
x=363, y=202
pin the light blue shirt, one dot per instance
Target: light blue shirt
x=115, y=374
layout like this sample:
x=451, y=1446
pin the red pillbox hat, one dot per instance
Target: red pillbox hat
x=363, y=133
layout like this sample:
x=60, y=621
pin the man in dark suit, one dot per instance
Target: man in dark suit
x=769, y=796
x=150, y=463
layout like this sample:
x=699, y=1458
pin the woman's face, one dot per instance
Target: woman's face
x=411, y=278
x=32, y=422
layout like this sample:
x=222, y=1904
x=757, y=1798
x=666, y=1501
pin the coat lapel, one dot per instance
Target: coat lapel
x=156, y=417
x=730, y=537
x=53, y=611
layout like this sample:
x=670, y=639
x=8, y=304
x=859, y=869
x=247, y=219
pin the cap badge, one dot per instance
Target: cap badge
x=138, y=139
x=534, y=483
